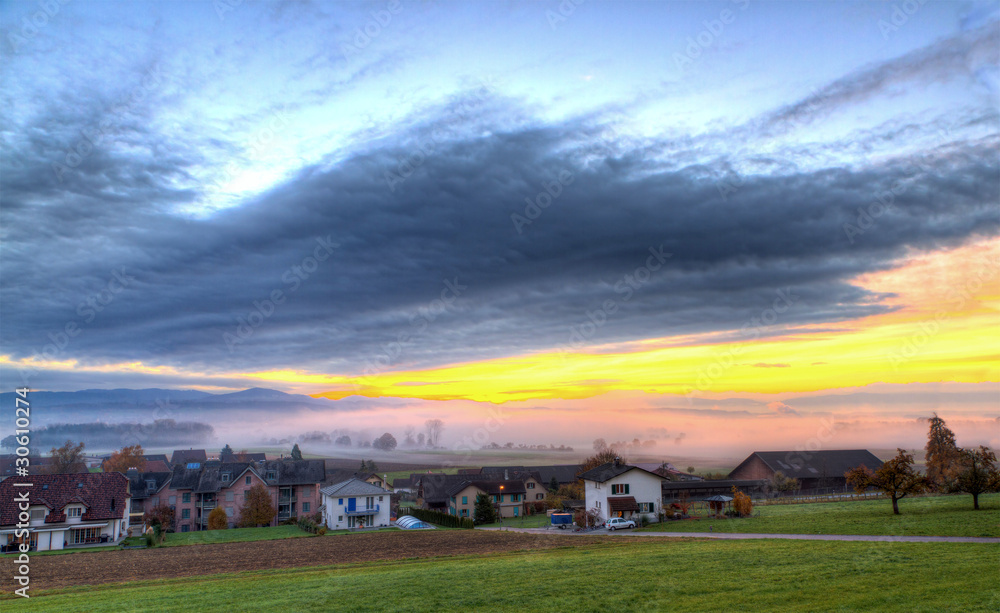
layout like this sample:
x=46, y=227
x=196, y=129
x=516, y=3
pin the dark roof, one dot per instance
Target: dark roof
x=712, y=484
x=564, y=473
x=250, y=457
x=610, y=470
x=490, y=487
x=184, y=456
x=42, y=466
x=622, y=503
x=104, y=494
x=139, y=481
x=815, y=464
x=434, y=487
x=157, y=466
x=209, y=478
x=401, y=482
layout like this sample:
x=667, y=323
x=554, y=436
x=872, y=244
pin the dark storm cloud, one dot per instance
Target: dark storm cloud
x=429, y=235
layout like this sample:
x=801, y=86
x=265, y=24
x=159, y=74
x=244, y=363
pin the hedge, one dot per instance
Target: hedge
x=439, y=518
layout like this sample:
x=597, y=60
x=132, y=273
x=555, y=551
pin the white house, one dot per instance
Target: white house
x=354, y=504
x=62, y=511
x=619, y=490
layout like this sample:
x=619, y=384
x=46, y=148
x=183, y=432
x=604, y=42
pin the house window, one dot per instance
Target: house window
x=598, y=504
x=186, y=497
x=230, y=496
x=515, y=498
x=340, y=501
x=185, y=528
x=73, y=512
x=531, y=485
x=173, y=500
x=305, y=507
x=185, y=513
x=539, y=496
x=37, y=514
x=86, y=535
x=465, y=500
x=340, y=518
x=247, y=480
x=225, y=477
x=229, y=511
x=620, y=488
x=156, y=501
x=645, y=507
x=150, y=484
x=271, y=475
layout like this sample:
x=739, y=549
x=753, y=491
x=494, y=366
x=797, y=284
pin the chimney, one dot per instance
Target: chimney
x=505, y=477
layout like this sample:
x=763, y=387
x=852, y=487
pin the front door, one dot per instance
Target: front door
x=352, y=505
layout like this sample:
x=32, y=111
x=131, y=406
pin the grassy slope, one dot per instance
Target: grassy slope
x=647, y=575
x=180, y=539
x=525, y=521
x=931, y=516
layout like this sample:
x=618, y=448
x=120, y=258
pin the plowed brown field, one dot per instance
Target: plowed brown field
x=165, y=562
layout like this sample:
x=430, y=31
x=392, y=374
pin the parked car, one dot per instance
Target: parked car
x=619, y=522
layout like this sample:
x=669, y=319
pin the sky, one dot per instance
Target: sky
x=717, y=226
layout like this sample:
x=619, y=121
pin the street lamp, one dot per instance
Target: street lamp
x=500, y=507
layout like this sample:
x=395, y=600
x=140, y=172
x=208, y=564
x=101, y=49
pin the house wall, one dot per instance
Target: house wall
x=644, y=487
x=468, y=509
x=535, y=491
x=335, y=517
x=752, y=468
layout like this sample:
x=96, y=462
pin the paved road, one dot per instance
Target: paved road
x=745, y=535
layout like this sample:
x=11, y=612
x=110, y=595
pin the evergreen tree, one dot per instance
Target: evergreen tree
x=296, y=453
x=943, y=457
x=227, y=450
x=554, y=484
x=484, y=512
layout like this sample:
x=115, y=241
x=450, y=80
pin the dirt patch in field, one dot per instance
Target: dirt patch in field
x=141, y=564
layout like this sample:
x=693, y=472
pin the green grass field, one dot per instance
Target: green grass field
x=236, y=535
x=696, y=575
x=525, y=521
x=930, y=516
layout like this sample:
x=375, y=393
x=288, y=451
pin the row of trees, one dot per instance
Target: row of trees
x=950, y=469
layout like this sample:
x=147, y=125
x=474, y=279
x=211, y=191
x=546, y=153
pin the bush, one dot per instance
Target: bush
x=217, y=519
x=291, y=521
x=321, y=531
x=467, y=523
x=309, y=525
x=741, y=503
x=643, y=521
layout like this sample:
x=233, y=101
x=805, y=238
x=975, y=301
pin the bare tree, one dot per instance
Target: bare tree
x=408, y=433
x=434, y=428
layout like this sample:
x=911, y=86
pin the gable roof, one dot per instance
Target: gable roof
x=353, y=487
x=814, y=464
x=185, y=456
x=489, y=487
x=434, y=487
x=209, y=477
x=104, y=494
x=610, y=470
x=564, y=473
x=138, y=482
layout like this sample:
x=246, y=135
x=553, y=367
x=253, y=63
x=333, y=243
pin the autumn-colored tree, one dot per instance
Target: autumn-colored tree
x=161, y=515
x=978, y=473
x=217, y=519
x=572, y=491
x=66, y=459
x=781, y=483
x=897, y=478
x=258, y=510
x=241, y=456
x=943, y=456
x=604, y=456
x=124, y=459
x=742, y=503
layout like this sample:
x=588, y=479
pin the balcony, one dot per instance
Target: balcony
x=362, y=511
x=286, y=499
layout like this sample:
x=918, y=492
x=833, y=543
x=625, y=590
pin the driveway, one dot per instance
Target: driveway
x=740, y=536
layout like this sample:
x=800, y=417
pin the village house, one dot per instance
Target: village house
x=67, y=510
x=508, y=497
x=195, y=489
x=822, y=469
x=355, y=504
x=145, y=487
x=617, y=489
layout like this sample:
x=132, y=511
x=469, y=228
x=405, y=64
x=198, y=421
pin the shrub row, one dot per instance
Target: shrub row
x=309, y=525
x=439, y=518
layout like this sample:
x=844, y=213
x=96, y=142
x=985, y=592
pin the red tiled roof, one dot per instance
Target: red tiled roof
x=98, y=492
